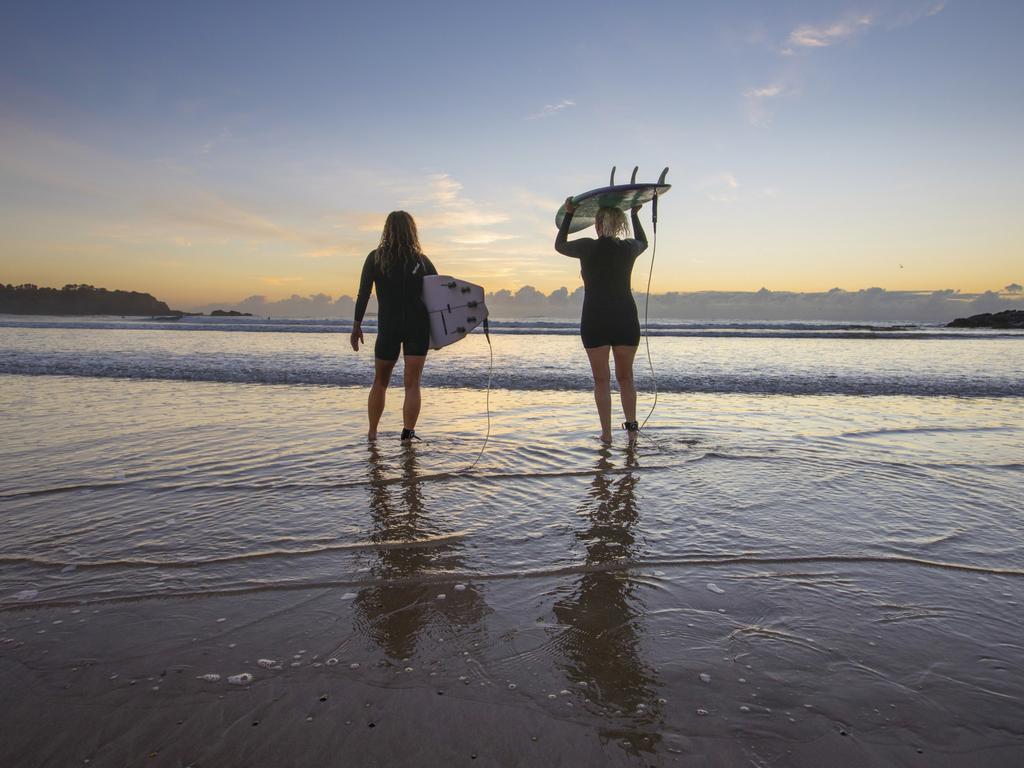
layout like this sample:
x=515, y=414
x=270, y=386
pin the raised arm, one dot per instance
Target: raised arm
x=562, y=244
x=638, y=231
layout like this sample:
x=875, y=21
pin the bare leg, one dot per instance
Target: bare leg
x=411, y=406
x=624, y=376
x=602, y=389
x=378, y=393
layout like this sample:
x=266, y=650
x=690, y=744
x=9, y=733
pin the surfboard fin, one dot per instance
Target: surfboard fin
x=454, y=307
x=632, y=179
x=611, y=179
x=661, y=179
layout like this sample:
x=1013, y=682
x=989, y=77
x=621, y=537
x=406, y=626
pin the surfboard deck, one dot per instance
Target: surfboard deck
x=455, y=308
x=624, y=196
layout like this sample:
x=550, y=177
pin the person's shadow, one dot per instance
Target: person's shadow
x=410, y=552
x=603, y=617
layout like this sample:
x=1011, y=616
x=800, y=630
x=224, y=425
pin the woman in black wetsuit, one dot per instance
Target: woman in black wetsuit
x=395, y=269
x=609, y=319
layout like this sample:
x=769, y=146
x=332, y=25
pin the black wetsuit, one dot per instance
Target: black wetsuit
x=606, y=264
x=402, y=321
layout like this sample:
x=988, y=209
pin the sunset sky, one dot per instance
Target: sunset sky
x=206, y=152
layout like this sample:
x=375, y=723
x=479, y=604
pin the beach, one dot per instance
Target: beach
x=808, y=214
x=204, y=562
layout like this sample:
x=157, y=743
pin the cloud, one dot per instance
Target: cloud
x=872, y=304
x=537, y=201
x=810, y=36
x=914, y=15
x=360, y=221
x=446, y=208
x=823, y=36
x=481, y=238
x=551, y=109
x=199, y=208
x=768, y=92
x=721, y=188
x=454, y=229
x=757, y=100
x=814, y=36
x=224, y=135
x=868, y=304
x=321, y=253
x=317, y=305
x=136, y=202
x=451, y=225
x=444, y=189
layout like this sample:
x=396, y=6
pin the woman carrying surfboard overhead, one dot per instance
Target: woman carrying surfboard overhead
x=395, y=270
x=609, y=321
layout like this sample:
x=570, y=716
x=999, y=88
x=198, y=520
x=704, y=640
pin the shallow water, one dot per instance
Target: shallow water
x=133, y=488
x=760, y=573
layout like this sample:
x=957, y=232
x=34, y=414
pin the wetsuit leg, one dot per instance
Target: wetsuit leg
x=616, y=325
x=416, y=339
x=389, y=341
x=592, y=329
x=627, y=332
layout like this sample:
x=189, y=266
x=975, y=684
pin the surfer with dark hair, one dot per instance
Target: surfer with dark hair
x=395, y=270
x=609, y=321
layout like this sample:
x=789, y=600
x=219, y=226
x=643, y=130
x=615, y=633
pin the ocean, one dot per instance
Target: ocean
x=823, y=358
x=813, y=550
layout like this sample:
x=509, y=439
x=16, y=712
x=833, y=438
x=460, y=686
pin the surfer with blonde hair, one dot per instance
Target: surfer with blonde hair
x=609, y=323
x=394, y=270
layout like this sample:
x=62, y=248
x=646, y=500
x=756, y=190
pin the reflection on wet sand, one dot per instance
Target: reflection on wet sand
x=413, y=550
x=603, y=617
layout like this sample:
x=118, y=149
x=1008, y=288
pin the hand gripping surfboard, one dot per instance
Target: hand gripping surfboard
x=455, y=308
x=624, y=196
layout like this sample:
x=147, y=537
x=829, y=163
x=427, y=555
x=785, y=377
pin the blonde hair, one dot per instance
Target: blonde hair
x=611, y=222
x=399, y=242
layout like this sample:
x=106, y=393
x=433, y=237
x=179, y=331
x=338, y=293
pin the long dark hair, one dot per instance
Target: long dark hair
x=399, y=242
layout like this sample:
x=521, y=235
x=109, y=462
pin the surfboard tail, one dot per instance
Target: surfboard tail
x=455, y=307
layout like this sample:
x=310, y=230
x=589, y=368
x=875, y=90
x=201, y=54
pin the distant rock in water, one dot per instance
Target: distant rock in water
x=1009, y=318
x=229, y=313
x=29, y=299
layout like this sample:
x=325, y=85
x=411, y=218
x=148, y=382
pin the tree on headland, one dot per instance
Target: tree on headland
x=77, y=299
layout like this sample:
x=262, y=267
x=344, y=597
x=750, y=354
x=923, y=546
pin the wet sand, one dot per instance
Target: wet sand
x=701, y=665
x=763, y=581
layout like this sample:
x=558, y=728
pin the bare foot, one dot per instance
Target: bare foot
x=371, y=436
x=606, y=438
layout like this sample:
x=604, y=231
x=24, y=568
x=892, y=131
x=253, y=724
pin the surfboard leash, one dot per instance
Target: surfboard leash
x=490, y=370
x=647, y=304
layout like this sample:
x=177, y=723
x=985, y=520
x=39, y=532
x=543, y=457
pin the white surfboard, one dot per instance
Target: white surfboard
x=455, y=307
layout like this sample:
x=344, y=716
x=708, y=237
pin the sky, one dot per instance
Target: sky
x=206, y=152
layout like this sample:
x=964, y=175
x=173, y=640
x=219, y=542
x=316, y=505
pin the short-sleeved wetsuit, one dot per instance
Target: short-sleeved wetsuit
x=402, y=320
x=606, y=264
